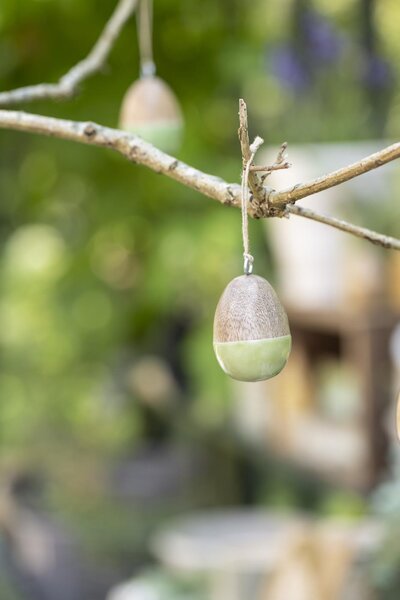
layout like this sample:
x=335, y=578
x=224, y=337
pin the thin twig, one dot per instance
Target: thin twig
x=269, y=168
x=137, y=150
x=68, y=84
x=301, y=190
x=255, y=184
x=261, y=195
x=282, y=154
x=280, y=162
x=361, y=232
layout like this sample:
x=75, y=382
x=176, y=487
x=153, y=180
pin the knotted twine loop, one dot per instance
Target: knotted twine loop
x=248, y=258
x=144, y=23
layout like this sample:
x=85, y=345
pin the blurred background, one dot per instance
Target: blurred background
x=131, y=467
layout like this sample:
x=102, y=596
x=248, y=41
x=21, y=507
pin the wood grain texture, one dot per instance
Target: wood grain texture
x=249, y=309
x=147, y=100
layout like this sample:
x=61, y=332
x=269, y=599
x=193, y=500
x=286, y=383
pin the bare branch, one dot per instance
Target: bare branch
x=270, y=168
x=265, y=202
x=361, y=232
x=255, y=184
x=68, y=84
x=281, y=162
x=129, y=145
x=138, y=151
x=301, y=190
x=282, y=154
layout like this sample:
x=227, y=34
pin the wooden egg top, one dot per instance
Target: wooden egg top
x=249, y=309
x=149, y=98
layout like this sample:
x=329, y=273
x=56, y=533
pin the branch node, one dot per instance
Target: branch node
x=90, y=129
x=173, y=165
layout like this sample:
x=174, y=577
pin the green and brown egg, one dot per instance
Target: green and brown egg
x=252, y=338
x=151, y=110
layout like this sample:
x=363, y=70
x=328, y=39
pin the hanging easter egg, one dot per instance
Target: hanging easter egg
x=252, y=338
x=150, y=109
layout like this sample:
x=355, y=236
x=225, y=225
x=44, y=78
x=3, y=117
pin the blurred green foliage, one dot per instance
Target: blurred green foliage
x=101, y=255
x=104, y=262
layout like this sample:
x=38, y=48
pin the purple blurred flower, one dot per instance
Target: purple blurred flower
x=323, y=43
x=317, y=44
x=377, y=72
x=287, y=67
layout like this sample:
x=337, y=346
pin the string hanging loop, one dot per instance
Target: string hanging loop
x=248, y=259
x=145, y=38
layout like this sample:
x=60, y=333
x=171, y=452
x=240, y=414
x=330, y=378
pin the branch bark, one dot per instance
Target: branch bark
x=361, y=232
x=264, y=202
x=68, y=84
x=302, y=190
x=129, y=145
x=138, y=151
x=255, y=185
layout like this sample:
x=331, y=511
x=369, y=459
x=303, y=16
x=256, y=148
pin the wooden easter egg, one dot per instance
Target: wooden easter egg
x=150, y=109
x=252, y=338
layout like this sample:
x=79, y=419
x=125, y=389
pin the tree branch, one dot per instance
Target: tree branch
x=255, y=184
x=68, y=84
x=302, y=190
x=281, y=162
x=265, y=202
x=361, y=232
x=138, y=151
x=129, y=145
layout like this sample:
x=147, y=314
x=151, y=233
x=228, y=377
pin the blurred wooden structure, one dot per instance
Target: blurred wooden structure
x=325, y=411
x=359, y=341
x=343, y=301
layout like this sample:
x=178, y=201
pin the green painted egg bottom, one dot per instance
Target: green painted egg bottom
x=166, y=136
x=254, y=360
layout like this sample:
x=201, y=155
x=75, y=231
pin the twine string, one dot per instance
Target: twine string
x=248, y=258
x=145, y=38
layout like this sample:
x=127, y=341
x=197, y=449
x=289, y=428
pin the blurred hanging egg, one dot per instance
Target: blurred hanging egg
x=150, y=109
x=252, y=338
